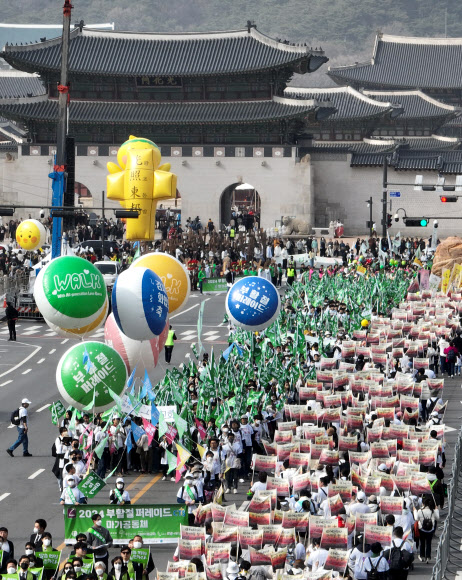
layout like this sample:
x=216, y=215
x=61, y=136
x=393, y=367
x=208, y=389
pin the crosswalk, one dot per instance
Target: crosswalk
x=42, y=329
x=24, y=329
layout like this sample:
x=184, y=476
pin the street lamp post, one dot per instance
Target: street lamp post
x=369, y=205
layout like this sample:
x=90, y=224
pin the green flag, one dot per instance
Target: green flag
x=57, y=411
x=99, y=449
x=163, y=428
x=180, y=424
x=171, y=461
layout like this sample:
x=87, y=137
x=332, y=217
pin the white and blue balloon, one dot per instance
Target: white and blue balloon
x=253, y=303
x=140, y=304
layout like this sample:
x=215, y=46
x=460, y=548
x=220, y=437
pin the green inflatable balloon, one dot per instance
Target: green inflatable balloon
x=88, y=367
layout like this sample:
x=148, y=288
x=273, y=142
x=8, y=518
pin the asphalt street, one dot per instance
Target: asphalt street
x=28, y=489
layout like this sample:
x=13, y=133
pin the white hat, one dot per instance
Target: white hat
x=120, y=480
x=382, y=467
x=25, y=401
x=232, y=568
x=361, y=496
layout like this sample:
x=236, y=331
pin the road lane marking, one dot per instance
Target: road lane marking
x=27, y=371
x=135, y=481
x=146, y=488
x=64, y=341
x=36, y=473
x=183, y=312
x=52, y=351
x=3, y=496
x=43, y=408
x=6, y=382
x=37, y=348
x=39, y=362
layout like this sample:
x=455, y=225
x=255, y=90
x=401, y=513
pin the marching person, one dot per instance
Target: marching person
x=71, y=493
x=11, y=316
x=187, y=494
x=23, y=427
x=118, y=495
x=100, y=540
x=169, y=344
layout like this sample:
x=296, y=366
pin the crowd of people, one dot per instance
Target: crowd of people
x=331, y=421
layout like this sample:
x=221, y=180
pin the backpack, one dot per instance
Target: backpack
x=427, y=524
x=451, y=355
x=15, y=417
x=373, y=573
x=399, y=558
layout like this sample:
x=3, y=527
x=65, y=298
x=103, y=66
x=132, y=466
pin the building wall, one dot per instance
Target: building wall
x=341, y=191
x=284, y=183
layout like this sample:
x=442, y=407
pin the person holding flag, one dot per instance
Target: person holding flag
x=187, y=494
x=71, y=494
x=118, y=495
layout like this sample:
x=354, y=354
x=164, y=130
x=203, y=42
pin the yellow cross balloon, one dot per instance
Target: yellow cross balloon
x=139, y=182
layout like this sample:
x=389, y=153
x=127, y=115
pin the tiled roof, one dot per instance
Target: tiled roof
x=165, y=113
x=188, y=54
x=406, y=62
x=350, y=104
x=415, y=104
x=449, y=162
x=14, y=84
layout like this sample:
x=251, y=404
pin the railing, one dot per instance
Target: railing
x=448, y=554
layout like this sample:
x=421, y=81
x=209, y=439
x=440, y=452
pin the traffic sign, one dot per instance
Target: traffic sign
x=395, y=194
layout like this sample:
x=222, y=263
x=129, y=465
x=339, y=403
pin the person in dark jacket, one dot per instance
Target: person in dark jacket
x=11, y=317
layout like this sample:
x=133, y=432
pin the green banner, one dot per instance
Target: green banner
x=38, y=572
x=140, y=555
x=215, y=285
x=88, y=563
x=91, y=484
x=158, y=524
x=50, y=559
x=57, y=411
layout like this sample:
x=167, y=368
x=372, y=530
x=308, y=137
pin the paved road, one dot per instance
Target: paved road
x=28, y=489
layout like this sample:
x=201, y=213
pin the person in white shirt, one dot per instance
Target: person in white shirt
x=317, y=557
x=358, y=557
x=71, y=494
x=229, y=454
x=260, y=485
x=376, y=560
x=187, y=494
x=23, y=429
x=119, y=495
x=360, y=507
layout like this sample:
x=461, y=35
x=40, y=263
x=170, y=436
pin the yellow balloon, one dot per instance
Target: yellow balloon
x=364, y=323
x=30, y=234
x=173, y=274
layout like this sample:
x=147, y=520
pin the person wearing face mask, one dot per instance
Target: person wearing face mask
x=229, y=454
x=79, y=466
x=60, y=449
x=36, y=538
x=187, y=494
x=68, y=569
x=7, y=548
x=23, y=570
x=118, y=495
x=99, y=539
x=34, y=562
x=71, y=494
x=133, y=569
x=77, y=564
x=117, y=572
x=198, y=478
x=11, y=566
x=136, y=544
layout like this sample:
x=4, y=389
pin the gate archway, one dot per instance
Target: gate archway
x=242, y=200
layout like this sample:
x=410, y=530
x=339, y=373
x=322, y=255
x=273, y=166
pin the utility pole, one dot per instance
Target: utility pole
x=59, y=171
x=102, y=225
x=371, y=223
x=384, y=196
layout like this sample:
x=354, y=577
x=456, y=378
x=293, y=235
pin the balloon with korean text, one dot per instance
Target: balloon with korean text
x=91, y=369
x=70, y=293
x=140, y=304
x=173, y=274
x=135, y=354
x=253, y=303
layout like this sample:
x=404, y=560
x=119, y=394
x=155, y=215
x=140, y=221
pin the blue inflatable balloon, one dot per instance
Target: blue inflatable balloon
x=253, y=303
x=140, y=304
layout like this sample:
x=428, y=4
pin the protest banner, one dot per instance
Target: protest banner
x=300, y=482
x=278, y=559
x=213, y=572
x=337, y=560
x=378, y=534
x=318, y=523
x=249, y=537
x=224, y=534
x=271, y=534
x=297, y=520
x=189, y=549
x=259, y=557
x=234, y=517
x=335, y=504
x=344, y=488
x=218, y=512
x=286, y=537
x=334, y=538
x=264, y=463
x=167, y=575
x=364, y=519
x=141, y=555
x=91, y=485
x=391, y=505
x=50, y=560
x=259, y=504
x=217, y=553
x=159, y=524
x=256, y=519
